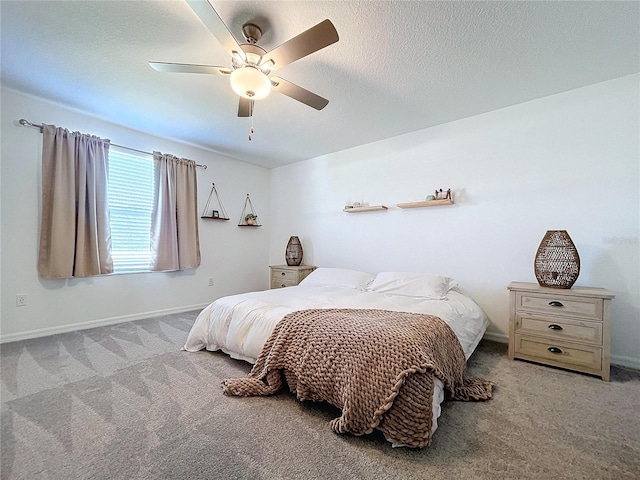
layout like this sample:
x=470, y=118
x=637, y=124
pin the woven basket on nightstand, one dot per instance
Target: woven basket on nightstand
x=293, y=253
x=557, y=263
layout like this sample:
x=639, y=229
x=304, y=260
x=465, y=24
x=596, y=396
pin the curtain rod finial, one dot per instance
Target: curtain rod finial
x=27, y=123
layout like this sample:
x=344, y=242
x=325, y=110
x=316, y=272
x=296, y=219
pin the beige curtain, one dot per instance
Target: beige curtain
x=174, y=225
x=75, y=237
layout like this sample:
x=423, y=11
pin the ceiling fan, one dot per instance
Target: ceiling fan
x=251, y=65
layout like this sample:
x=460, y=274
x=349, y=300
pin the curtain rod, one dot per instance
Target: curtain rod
x=26, y=123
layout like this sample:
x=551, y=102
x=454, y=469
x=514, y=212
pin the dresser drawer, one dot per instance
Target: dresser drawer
x=559, y=329
x=560, y=354
x=282, y=275
x=564, y=305
x=277, y=283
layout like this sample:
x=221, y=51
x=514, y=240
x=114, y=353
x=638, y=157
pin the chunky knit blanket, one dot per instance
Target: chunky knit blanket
x=377, y=366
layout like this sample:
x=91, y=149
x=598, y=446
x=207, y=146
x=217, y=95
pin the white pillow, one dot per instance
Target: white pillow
x=338, y=277
x=421, y=285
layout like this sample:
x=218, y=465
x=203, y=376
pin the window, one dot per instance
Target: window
x=131, y=186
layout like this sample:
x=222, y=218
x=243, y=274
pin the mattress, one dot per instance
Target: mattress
x=240, y=325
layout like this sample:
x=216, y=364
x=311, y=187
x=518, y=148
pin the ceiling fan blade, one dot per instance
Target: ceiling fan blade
x=189, y=68
x=308, y=42
x=245, y=107
x=298, y=93
x=208, y=15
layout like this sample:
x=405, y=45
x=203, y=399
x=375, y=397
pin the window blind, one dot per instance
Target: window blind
x=131, y=185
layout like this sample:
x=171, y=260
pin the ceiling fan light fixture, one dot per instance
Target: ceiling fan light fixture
x=249, y=82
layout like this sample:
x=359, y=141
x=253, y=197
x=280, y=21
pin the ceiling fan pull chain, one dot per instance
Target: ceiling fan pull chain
x=251, y=129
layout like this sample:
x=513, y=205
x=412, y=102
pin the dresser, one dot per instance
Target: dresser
x=567, y=328
x=288, y=276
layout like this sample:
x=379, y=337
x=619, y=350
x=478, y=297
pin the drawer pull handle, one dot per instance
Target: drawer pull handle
x=553, y=326
x=556, y=304
x=283, y=274
x=283, y=285
x=554, y=350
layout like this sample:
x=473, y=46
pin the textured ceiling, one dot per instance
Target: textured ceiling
x=399, y=66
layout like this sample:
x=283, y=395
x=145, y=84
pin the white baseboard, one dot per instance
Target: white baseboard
x=43, y=332
x=628, y=362
x=615, y=359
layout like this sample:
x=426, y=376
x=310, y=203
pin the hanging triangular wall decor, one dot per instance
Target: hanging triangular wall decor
x=249, y=217
x=210, y=211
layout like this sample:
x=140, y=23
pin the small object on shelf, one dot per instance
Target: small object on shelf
x=356, y=204
x=441, y=195
x=215, y=214
x=430, y=197
x=249, y=217
x=293, y=253
x=557, y=263
x=364, y=209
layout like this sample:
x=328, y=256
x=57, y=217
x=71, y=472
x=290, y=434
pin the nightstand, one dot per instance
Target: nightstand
x=288, y=276
x=567, y=328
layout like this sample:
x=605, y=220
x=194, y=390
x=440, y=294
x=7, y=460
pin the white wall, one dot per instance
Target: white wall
x=570, y=161
x=235, y=257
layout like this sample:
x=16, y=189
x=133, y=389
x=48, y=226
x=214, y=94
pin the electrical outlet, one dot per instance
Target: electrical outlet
x=21, y=300
x=211, y=281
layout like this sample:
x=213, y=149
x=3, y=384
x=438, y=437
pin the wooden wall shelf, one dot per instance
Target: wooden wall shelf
x=430, y=203
x=214, y=218
x=372, y=208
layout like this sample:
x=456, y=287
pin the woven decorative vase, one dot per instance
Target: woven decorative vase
x=557, y=263
x=293, y=254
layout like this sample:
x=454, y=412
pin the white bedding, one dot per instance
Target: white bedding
x=240, y=325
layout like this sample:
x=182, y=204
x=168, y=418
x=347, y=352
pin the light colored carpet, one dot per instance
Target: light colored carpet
x=123, y=402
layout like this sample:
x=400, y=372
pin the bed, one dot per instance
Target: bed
x=240, y=325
